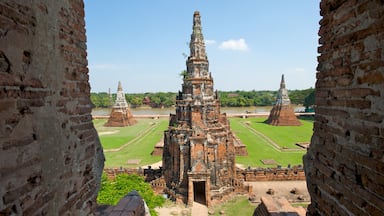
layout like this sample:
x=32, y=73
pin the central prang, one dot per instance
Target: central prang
x=199, y=152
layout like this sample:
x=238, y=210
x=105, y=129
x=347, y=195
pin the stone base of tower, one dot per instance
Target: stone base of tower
x=283, y=115
x=199, y=190
x=120, y=117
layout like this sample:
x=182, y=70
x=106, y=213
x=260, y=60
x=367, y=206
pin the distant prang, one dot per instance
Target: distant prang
x=121, y=115
x=282, y=113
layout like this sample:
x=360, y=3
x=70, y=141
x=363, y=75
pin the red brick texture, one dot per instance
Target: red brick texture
x=345, y=162
x=283, y=115
x=50, y=156
x=120, y=117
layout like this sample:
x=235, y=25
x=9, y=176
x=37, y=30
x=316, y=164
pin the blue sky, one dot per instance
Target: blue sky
x=249, y=43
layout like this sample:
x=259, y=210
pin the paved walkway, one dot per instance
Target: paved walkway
x=281, y=189
x=199, y=209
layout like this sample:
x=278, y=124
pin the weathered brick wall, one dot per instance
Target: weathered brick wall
x=259, y=174
x=50, y=157
x=271, y=174
x=345, y=162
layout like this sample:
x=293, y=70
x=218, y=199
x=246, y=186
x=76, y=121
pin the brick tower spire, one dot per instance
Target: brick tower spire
x=198, y=83
x=199, y=153
x=282, y=113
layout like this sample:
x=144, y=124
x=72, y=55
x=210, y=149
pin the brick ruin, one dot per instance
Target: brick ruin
x=50, y=155
x=199, y=153
x=51, y=158
x=295, y=173
x=277, y=207
x=121, y=115
x=345, y=162
x=282, y=113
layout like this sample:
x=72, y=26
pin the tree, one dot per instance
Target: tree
x=112, y=191
x=309, y=101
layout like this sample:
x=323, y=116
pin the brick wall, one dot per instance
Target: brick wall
x=345, y=162
x=259, y=174
x=271, y=174
x=50, y=157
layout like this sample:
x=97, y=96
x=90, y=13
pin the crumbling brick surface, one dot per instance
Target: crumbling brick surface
x=344, y=165
x=50, y=157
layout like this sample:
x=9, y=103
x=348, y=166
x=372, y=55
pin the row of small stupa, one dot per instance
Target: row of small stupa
x=282, y=113
x=198, y=160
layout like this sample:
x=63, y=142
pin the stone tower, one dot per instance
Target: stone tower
x=199, y=154
x=121, y=115
x=282, y=113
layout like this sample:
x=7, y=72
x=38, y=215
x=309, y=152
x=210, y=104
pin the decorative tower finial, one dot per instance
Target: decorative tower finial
x=282, y=95
x=282, y=83
x=119, y=87
x=197, y=45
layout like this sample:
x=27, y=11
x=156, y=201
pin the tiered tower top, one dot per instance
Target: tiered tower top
x=197, y=45
x=198, y=82
x=282, y=95
x=120, y=98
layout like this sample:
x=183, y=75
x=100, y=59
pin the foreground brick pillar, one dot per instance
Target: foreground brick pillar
x=344, y=165
x=50, y=156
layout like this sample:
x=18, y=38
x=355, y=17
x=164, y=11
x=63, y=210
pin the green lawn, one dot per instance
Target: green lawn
x=236, y=207
x=140, y=144
x=285, y=136
x=115, y=137
x=260, y=149
x=138, y=141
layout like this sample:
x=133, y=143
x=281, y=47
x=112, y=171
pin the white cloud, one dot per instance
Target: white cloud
x=209, y=42
x=240, y=45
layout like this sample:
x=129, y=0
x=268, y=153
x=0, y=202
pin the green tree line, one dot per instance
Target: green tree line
x=237, y=98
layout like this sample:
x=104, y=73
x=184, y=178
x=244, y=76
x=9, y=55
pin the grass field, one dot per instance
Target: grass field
x=236, y=206
x=260, y=148
x=136, y=142
x=285, y=136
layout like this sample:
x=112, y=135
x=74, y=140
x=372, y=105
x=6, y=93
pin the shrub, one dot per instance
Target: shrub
x=112, y=191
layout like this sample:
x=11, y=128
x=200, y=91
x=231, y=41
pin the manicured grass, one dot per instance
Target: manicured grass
x=285, y=136
x=236, y=207
x=141, y=143
x=140, y=148
x=115, y=137
x=260, y=149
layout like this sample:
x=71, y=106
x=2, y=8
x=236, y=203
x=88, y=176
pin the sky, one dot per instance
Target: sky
x=249, y=43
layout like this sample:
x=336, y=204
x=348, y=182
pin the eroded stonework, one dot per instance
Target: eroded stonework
x=199, y=154
x=121, y=115
x=344, y=164
x=282, y=113
x=50, y=155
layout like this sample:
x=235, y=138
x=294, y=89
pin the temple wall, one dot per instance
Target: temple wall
x=50, y=158
x=271, y=174
x=251, y=175
x=345, y=162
